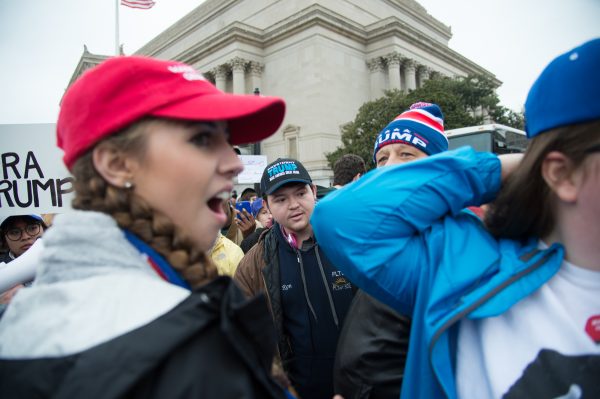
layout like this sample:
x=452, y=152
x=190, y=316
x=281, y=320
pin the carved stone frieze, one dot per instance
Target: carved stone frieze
x=256, y=68
x=220, y=72
x=409, y=65
x=394, y=59
x=376, y=64
x=238, y=64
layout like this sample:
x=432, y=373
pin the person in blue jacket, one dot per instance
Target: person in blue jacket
x=509, y=308
x=374, y=340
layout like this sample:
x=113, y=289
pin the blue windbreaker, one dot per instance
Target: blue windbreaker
x=401, y=234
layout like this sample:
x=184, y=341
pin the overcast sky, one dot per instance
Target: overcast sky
x=41, y=41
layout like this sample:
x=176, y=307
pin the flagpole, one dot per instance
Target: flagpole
x=117, y=50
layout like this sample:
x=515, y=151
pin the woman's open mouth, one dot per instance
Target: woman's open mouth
x=215, y=204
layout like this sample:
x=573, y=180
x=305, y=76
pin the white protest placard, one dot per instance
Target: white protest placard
x=33, y=178
x=254, y=165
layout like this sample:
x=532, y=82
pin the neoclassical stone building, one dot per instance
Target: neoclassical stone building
x=326, y=58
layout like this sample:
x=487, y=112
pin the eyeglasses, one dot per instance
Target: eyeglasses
x=31, y=230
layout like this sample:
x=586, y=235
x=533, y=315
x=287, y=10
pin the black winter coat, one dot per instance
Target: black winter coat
x=371, y=351
x=214, y=344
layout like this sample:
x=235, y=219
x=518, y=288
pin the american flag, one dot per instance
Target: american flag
x=143, y=4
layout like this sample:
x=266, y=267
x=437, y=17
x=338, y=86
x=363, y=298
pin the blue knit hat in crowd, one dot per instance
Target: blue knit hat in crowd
x=4, y=220
x=567, y=92
x=256, y=206
x=421, y=126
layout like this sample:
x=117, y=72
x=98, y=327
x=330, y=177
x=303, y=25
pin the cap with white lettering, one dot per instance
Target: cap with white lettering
x=283, y=171
x=123, y=90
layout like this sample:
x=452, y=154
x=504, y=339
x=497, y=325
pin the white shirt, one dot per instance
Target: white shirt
x=536, y=345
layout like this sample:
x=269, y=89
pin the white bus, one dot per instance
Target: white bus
x=495, y=138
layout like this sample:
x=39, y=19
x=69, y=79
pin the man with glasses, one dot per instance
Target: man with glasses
x=18, y=234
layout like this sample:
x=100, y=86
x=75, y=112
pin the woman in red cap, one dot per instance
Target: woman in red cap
x=125, y=301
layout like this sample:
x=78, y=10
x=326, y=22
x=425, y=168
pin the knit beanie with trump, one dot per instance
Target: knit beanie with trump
x=421, y=126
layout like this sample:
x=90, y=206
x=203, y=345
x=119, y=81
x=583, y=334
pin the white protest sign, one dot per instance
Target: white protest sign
x=33, y=178
x=254, y=165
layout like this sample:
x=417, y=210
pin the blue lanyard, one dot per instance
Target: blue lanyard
x=156, y=261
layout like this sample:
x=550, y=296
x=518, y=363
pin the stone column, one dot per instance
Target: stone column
x=486, y=115
x=410, y=75
x=479, y=112
x=423, y=74
x=393, y=62
x=238, y=67
x=377, y=86
x=220, y=73
x=256, y=70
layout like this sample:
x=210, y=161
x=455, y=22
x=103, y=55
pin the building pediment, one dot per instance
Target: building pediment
x=239, y=34
x=86, y=61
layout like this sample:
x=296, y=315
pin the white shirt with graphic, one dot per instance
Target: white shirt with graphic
x=539, y=347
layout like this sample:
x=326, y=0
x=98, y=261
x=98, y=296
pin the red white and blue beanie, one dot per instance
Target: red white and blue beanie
x=421, y=126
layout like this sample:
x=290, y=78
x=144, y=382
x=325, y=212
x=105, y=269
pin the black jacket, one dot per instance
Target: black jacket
x=214, y=344
x=261, y=271
x=5, y=257
x=258, y=272
x=371, y=351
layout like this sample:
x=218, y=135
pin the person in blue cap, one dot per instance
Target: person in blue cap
x=19, y=233
x=510, y=307
x=263, y=220
x=261, y=213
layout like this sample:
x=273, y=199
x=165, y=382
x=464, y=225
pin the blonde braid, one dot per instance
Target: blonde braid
x=130, y=212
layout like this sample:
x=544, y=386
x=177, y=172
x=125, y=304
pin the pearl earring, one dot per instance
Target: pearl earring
x=128, y=185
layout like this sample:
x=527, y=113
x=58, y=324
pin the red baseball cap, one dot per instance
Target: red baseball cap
x=122, y=90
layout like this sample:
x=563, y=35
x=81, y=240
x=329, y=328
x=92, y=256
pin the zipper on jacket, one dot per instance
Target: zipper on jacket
x=478, y=303
x=283, y=340
x=310, y=306
x=326, y=285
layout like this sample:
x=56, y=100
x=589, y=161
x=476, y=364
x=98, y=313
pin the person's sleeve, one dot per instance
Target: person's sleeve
x=378, y=230
x=244, y=276
x=235, y=256
x=23, y=268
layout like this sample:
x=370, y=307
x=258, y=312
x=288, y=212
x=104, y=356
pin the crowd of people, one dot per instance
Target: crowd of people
x=388, y=284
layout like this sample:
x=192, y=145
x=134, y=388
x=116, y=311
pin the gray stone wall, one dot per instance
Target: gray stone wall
x=325, y=58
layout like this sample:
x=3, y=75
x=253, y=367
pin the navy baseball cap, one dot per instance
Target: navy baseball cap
x=4, y=220
x=283, y=171
x=567, y=91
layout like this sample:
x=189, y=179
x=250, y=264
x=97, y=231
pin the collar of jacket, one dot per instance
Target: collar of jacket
x=220, y=301
x=307, y=244
x=271, y=277
x=530, y=267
